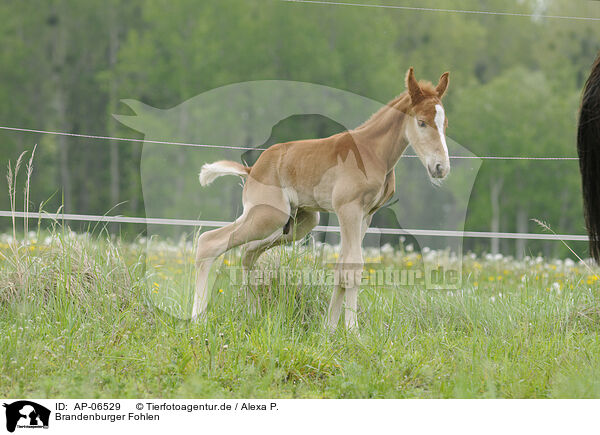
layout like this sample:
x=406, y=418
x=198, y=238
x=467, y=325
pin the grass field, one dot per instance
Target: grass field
x=80, y=317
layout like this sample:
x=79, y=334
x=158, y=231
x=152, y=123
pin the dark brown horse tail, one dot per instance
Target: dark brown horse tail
x=588, y=149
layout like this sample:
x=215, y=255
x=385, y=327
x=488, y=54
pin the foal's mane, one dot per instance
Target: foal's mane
x=401, y=103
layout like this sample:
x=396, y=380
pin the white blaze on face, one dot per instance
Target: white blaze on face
x=440, y=117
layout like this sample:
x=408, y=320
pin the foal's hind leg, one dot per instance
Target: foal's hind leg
x=304, y=222
x=256, y=223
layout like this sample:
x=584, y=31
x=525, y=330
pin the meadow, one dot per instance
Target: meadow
x=89, y=315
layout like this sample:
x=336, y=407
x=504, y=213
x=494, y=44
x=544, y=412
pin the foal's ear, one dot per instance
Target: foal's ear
x=443, y=84
x=414, y=90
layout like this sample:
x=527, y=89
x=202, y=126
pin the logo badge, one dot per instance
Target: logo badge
x=26, y=414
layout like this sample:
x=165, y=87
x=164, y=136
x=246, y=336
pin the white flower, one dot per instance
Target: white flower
x=387, y=249
x=569, y=262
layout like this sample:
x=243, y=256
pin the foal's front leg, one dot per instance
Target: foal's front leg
x=351, y=218
x=352, y=296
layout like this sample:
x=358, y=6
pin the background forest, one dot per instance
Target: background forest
x=515, y=89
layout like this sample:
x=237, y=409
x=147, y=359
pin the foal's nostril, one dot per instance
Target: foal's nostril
x=437, y=170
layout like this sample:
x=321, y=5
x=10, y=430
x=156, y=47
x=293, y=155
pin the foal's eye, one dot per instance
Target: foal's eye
x=422, y=124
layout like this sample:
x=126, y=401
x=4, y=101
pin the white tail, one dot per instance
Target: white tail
x=212, y=171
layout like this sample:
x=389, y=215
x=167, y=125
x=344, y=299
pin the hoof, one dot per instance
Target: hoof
x=354, y=331
x=198, y=317
x=330, y=328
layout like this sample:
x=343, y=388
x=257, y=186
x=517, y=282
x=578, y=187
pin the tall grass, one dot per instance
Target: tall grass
x=84, y=315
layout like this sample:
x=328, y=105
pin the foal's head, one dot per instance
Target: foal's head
x=426, y=125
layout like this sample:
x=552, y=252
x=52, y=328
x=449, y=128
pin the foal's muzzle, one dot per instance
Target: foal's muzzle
x=438, y=170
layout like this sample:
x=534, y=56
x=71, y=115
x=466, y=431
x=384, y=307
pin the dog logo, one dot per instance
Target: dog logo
x=26, y=414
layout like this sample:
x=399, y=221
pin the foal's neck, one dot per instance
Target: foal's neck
x=384, y=132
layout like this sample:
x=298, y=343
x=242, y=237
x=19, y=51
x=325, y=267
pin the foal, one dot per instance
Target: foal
x=350, y=174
